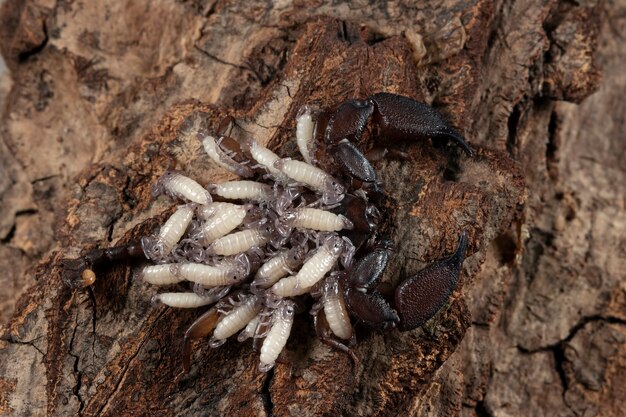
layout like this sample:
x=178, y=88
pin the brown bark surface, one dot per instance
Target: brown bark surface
x=105, y=96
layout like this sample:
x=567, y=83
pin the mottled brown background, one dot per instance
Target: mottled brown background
x=101, y=97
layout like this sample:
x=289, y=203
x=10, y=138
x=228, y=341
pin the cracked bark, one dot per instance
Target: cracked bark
x=543, y=287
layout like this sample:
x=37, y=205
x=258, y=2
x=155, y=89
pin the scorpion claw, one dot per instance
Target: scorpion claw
x=353, y=162
x=419, y=297
x=397, y=118
x=348, y=121
x=368, y=270
x=402, y=118
x=447, y=132
x=371, y=309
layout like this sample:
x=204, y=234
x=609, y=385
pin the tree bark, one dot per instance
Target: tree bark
x=106, y=96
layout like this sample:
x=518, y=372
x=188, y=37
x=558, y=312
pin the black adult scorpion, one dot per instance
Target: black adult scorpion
x=256, y=247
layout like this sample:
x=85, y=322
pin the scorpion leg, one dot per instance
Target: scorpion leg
x=419, y=297
x=200, y=328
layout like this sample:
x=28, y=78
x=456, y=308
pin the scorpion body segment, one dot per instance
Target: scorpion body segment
x=236, y=320
x=183, y=299
x=313, y=177
x=177, y=185
x=173, y=229
x=160, y=274
x=316, y=219
x=276, y=338
x=352, y=162
x=420, y=296
x=335, y=310
x=313, y=270
x=304, y=133
x=403, y=118
x=278, y=267
x=242, y=190
x=239, y=242
x=263, y=156
x=224, y=220
x=206, y=212
x=250, y=330
x=209, y=276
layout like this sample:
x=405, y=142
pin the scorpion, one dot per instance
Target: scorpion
x=256, y=248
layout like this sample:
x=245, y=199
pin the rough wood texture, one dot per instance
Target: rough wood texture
x=112, y=94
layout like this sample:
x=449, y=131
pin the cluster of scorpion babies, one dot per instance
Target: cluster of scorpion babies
x=257, y=257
